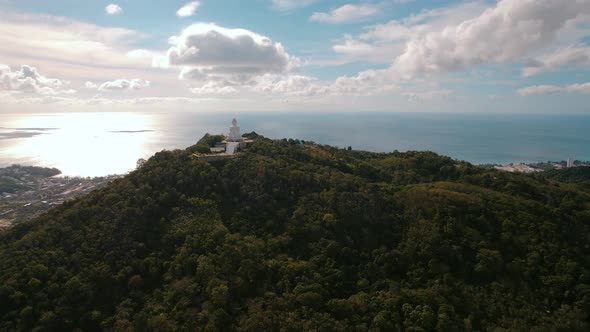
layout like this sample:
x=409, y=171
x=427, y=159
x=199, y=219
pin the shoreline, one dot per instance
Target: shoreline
x=28, y=191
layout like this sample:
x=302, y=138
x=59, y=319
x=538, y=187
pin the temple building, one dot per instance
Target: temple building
x=227, y=149
x=234, y=132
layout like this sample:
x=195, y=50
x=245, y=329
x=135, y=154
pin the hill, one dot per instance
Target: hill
x=292, y=237
x=570, y=175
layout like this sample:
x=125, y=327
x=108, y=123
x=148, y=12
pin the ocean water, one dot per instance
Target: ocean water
x=94, y=144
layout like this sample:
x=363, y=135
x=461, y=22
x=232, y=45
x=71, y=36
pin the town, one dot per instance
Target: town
x=27, y=191
x=538, y=167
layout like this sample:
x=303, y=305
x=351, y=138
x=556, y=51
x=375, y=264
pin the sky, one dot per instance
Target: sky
x=295, y=55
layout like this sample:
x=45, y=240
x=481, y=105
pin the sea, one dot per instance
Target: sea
x=98, y=144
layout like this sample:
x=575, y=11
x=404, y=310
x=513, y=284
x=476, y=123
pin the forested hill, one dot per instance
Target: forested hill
x=293, y=237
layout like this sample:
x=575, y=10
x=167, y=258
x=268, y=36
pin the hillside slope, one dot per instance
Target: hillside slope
x=291, y=237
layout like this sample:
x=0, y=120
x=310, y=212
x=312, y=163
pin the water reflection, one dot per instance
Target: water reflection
x=81, y=144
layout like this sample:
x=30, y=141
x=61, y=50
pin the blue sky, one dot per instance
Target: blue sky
x=375, y=55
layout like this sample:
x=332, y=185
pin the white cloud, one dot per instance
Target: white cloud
x=378, y=52
x=581, y=88
x=230, y=57
x=78, y=52
x=67, y=46
x=348, y=13
x=139, y=54
x=439, y=41
x=427, y=95
x=548, y=89
x=124, y=84
x=382, y=43
x=510, y=30
x=568, y=56
x=457, y=37
x=291, y=4
x=214, y=88
x=219, y=60
x=289, y=85
x=189, y=9
x=90, y=85
x=366, y=83
x=100, y=100
x=113, y=9
x=29, y=80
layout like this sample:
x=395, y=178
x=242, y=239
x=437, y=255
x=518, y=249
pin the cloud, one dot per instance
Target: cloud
x=69, y=47
x=377, y=52
x=438, y=41
x=289, y=85
x=29, y=80
x=366, y=83
x=189, y=9
x=90, y=85
x=510, y=30
x=568, y=56
x=581, y=88
x=140, y=54
x=124, y=84
x=113, y=9
x=148, y=58
x=214, y=88
x=548, y=89
x=382, y=43
x=427, y=95
x=291, y=4
x=348, y=13
x=231, y=57
x=100, y=100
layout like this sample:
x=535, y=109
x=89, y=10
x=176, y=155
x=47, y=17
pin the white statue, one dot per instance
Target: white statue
x=234, y=132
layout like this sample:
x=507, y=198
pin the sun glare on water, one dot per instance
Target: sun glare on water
x=84, y=144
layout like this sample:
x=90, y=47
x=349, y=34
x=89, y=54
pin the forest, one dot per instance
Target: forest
x=299, y=236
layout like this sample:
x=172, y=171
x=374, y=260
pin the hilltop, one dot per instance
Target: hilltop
x=294, y=235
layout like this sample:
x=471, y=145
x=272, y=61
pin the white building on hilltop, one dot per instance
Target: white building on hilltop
x=234, y=132
x=570, y=162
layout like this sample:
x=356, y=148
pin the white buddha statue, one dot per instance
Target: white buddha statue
x=234, y=132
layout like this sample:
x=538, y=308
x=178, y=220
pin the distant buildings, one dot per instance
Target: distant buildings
x=570, y=162
x=517, y=168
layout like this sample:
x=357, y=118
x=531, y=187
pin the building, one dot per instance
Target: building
x=227, y=149
x=234, y=132
x=219, y=147
x=517, y=168
x=570, y=162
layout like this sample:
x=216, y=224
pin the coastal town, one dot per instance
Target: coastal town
x=27, y=191
x=538, y=167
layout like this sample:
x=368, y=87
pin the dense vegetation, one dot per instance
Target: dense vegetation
x=291, y=237
x=205, y=144
x=571, y=175
x=30, y=170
